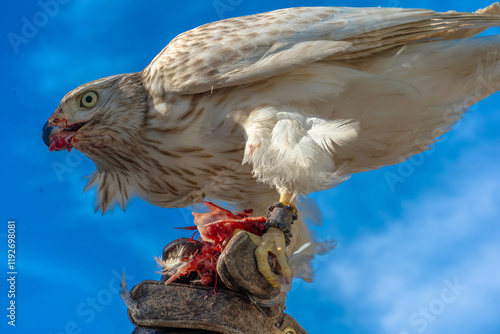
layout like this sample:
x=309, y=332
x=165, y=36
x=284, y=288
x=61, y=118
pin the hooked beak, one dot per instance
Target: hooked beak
x=47, y=130
x=59, y=138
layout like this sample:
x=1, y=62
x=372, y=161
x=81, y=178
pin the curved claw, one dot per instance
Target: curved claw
x=273, y=241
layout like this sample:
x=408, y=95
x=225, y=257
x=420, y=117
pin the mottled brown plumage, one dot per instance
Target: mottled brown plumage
x=293, y=100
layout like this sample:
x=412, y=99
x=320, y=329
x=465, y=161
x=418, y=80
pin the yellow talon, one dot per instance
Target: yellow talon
x=273, y=241
x=268, y=245
x=289, y=330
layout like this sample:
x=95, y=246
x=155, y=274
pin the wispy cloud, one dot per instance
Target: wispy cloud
x=400, y=279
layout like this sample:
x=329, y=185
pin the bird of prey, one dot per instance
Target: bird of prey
x=255, y=109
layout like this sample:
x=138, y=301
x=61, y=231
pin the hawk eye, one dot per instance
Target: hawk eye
x=89, y=99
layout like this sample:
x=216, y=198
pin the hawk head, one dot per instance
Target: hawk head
x=105, y=120
x=100, y=115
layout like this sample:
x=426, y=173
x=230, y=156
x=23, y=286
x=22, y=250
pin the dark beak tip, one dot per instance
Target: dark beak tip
x=46, y=132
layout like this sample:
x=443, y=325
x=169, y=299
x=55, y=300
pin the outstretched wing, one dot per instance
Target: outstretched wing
x=246, y=49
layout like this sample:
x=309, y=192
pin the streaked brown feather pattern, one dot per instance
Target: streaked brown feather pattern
x=296, y=99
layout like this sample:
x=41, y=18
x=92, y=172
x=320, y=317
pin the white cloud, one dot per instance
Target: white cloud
x=391, y=278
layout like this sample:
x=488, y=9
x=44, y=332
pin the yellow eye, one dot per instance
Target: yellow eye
x=89, y=99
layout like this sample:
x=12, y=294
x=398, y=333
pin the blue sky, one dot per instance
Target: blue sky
x=417, y=256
